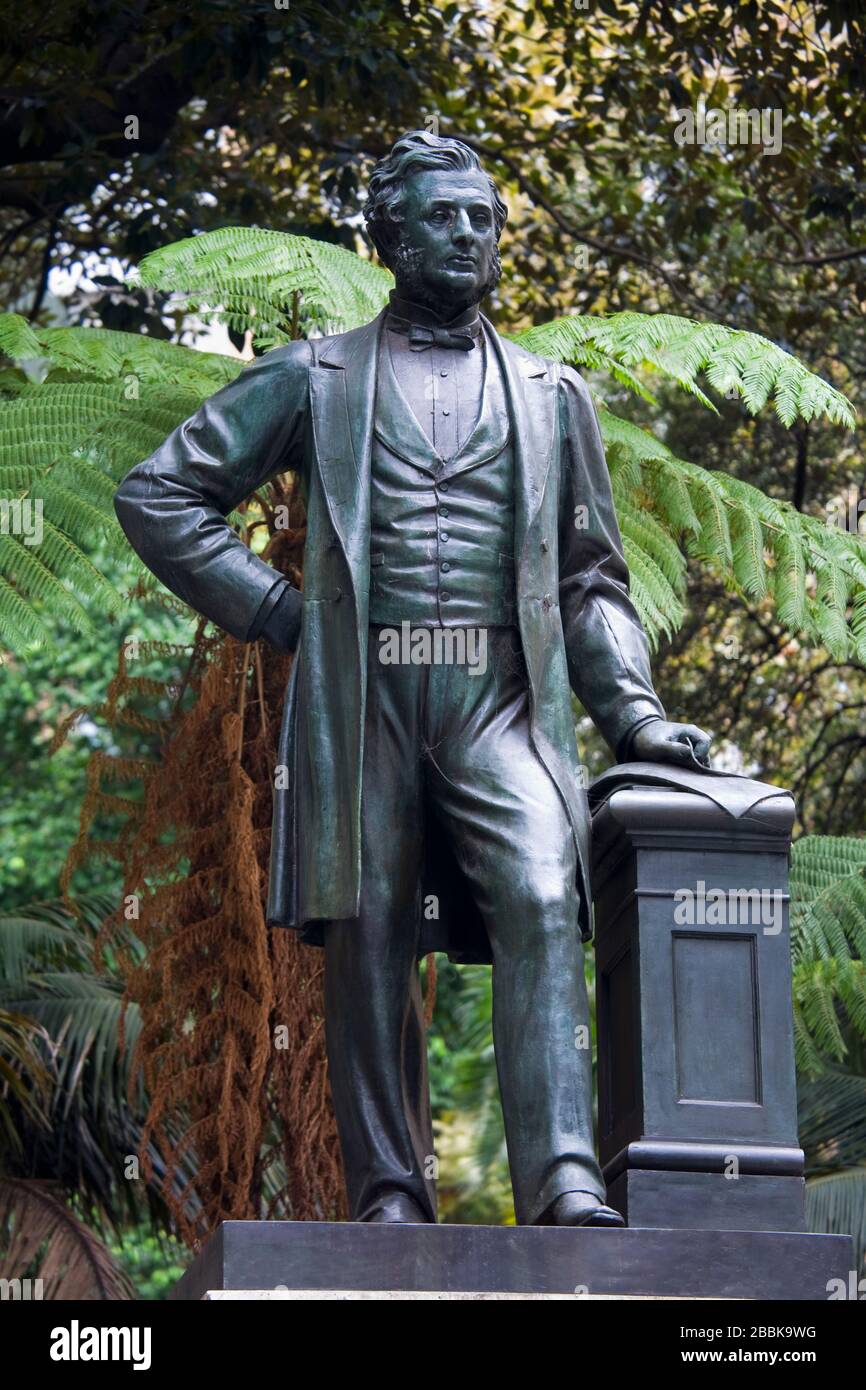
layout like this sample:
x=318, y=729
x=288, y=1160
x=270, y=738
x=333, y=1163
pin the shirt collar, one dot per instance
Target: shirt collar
x=410, y=310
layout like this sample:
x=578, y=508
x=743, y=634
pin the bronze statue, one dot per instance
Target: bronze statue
x=463, y=571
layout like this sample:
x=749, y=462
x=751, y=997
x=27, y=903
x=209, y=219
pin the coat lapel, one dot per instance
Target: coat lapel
x=532, y=401
x=343, y=398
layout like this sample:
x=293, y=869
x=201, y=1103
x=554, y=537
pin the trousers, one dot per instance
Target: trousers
x=448, y=745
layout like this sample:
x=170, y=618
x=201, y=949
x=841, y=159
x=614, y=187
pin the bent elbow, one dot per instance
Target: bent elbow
x=129, y=499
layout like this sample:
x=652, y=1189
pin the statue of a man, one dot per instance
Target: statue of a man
x=463, y=571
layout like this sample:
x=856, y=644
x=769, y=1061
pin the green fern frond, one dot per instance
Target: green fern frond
x=857, y=624
x=819, y=860
x=20, y=625
x=829, y=608
x=709, y=500
x=652, y=593
x=789, y=579
x=251, y=276
x=17, y=477
x=136, y=360
x=64, y=557
x=814, y=989
x=808, y=1058
x=747, y=541
x=654, y=541
x=681, y=348
x=109, y=356
x=760, y=545
x=567, y=340
x=17, y=339
x=67, y=442
x=828, y=938
x=22, y=566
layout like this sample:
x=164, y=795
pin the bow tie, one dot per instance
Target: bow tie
x=421, y=336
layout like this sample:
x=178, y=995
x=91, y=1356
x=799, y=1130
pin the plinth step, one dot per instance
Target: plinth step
x=406, y=1296
x=343, y=1260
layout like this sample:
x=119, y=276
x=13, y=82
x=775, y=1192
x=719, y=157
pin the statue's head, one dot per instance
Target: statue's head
x=435, y=218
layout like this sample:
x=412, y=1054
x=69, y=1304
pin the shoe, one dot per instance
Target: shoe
x=582, y=1209
x=396, y=1208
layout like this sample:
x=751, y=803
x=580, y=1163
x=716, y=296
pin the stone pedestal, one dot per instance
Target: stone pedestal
x=697, y=1091
x=697, y=1097
x=340, y=1260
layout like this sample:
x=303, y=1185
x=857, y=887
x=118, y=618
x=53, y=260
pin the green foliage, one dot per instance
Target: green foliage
x=153, y=1263
x=836, y=1204
x=106, y=401
x=813, y=571
x=832, y=1131
x=828, y=943
x=473, y=1183
x=679, y=348
x=832, y=1118
x=107, y=355
x=89, y=1120
x=23, y=1077
x=46, y=974
x=109, y=398
x=39, y=815
x=269, y=282
x=757, y=544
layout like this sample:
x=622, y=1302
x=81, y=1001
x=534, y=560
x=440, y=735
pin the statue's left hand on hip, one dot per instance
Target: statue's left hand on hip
x=661, y=741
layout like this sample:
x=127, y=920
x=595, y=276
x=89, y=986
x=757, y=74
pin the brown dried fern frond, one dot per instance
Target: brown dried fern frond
x=245, y=1128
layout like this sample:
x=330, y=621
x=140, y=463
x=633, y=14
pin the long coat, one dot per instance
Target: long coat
x=309, y=407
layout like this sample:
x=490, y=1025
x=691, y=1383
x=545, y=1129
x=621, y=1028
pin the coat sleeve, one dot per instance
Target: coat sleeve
x=173, y=505
x=605, y=643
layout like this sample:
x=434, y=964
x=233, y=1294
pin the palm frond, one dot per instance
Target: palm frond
x=46, y=976
x=831, y=1111
x=836, y=1205
x=44, y=1240
x=24, y=1078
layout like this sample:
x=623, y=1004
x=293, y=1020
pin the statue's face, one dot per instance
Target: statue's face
x=448, y=255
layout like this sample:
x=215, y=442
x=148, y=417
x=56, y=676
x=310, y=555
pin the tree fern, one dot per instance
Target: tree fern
x=757, y=544
x=680, y=349
x=270, y=282
x=107, y=399
x=828, y=943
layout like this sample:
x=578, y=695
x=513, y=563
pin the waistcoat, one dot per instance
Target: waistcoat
x=441, y=530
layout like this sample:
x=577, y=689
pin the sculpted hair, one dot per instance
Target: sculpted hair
x=413, y=152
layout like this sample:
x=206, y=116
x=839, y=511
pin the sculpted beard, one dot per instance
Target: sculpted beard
x=408, y=261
